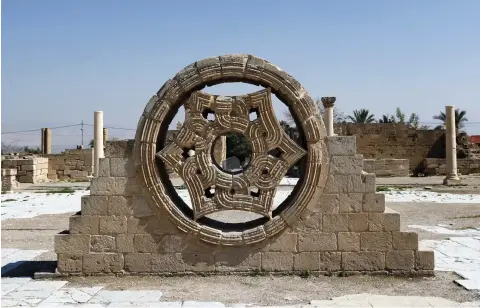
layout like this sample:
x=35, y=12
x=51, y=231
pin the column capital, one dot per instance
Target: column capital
x=328, y=102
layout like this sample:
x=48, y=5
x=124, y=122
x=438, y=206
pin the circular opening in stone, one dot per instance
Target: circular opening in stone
x=232, y=153
x=235, y=220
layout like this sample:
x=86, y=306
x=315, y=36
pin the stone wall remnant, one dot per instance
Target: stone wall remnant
x=134, y=221
x=9, y=181
x=30, y=168
x=387, y=167
x=70, y=165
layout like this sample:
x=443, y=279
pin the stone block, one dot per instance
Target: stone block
x=405, y=240
x=424, y=260
x=172, y=262
x=150, y=225
x=102, y=243
x=351, y=203
x=363, y=261
x=376, y=241
x=226, y=261
x=342, y=145
x=285, y=242
x=122, y=167
x=83, y=224
x=306, y=261
x=329, y=203
x=146, y=243
x=318, y=241
x=277, y=261
x=330, y=261
x=104, y=167
x=113, y=224
x=400, y=260
x=308, y=221
x=120, y=205
x=335, y=222
x=72, y=244
x=338, y=184
x=141, y=207
x=348, y=241
x=138, y=262
x=346, y=164
x=124, y=243
x=121, y=149
x=374, y=202
x=103, y=186
x=69, y=263
x=103, y=263
x=358, y=222
x=388, y=221
x=199, y=262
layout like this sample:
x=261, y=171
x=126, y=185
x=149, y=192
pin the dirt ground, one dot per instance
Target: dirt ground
x=37, y=233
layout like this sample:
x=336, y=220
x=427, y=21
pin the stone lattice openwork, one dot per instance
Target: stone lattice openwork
x=273, y=152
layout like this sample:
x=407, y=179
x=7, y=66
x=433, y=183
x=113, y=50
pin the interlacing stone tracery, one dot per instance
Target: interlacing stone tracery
x=211, y=188
x=252, y=190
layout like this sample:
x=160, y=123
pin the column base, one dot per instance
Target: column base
x=452, y=181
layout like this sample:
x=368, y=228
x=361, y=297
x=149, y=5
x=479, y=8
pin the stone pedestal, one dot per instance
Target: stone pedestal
x=451, y=148
x=9, y=182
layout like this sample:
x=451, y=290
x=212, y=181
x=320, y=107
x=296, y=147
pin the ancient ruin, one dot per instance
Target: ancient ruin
x=135, y=222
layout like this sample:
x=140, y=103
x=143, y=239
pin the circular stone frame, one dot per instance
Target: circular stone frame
x=163, y=106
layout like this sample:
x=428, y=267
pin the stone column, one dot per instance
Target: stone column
x=42, y=140
x=48, y=141
x=451, y=147
x=97, y=140
x=328, y=103
x=105, y=136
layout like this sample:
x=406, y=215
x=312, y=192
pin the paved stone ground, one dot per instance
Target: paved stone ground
x=450, y=229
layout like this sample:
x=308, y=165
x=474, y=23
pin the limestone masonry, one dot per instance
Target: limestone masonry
x=134, y=222
x=30, y=169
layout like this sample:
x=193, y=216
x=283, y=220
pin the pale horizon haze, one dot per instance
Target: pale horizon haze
x=63, y=60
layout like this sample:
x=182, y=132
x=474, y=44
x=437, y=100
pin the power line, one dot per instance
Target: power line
x=34, y=130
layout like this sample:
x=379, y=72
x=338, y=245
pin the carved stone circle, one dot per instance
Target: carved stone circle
x=190, y=154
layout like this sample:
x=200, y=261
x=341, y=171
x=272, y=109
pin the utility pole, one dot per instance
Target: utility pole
x=82, y=133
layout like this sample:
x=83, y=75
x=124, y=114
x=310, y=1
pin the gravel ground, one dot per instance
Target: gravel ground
x=37, y=233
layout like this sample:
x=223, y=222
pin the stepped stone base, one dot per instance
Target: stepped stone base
x=119, y=230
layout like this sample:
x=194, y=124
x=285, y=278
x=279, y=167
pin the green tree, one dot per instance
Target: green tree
x=239, y=146
x=31, y=150
x=362, y=116
x=386, y=118
x=460, y=119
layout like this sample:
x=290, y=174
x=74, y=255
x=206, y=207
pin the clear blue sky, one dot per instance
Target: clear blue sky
x=64, y=59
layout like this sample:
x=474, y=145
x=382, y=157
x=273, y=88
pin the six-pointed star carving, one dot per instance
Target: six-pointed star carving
x=211, y=189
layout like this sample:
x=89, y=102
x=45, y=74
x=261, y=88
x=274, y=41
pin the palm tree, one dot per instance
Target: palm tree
x=362, y=116
x=460, y=119
x=386, y=119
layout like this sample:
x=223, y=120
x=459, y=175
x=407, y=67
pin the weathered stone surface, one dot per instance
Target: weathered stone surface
x=287, y=242
x=103, y=263
x=102, y=243
x=405, y=240
x=342, y=146
x=141, y=207
x=335, y=222
x=122, y=167
x=351, y=203
x=172, y=262
x=363, y=261
x=120, y=205
x=124, y=243
x=102, y=186
x=230, y=262
x=84, y=224
x=330, y=261
x=358, y=222
x=72, y=244
x=104, y=167
x=384, y=222
x=400, y=260
x=277, y=261
x=376, y=241
x=70, y=263
x=424, y=260
x=318, y=241
x=348, y=241
x=199, y=262
x=329, y=203
x=138, y=262
x=306, y=261
x=346, y=164
x=374, y=203
x=94, y=205
x=113, y=224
